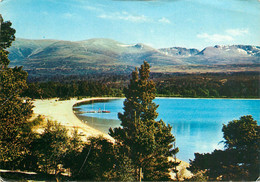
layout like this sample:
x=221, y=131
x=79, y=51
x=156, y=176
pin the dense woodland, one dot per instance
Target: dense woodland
x=211, y=85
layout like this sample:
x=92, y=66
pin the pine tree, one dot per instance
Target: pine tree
x=243, y=139
x=14, y=111
x=51, y=147
x=148, y=143
x=240, y=159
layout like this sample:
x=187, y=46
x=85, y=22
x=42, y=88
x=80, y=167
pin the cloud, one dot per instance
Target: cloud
x=125, y=16
x=132, y=18
x=229, y=35
x=70, y=16
x=237, y=32
x=164, y=20
x=215, y=37
x=45, y=13
x=92, y=8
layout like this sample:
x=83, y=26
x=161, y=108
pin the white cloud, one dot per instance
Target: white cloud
x=164, y=20
x=229, y=35
x=125, y=16
x=92, y=8
x=45, y=13
x=67, y=15
x=237, y=32
x=215, y=37
x=70, y=15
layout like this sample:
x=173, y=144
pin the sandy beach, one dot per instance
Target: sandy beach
x=62, y=112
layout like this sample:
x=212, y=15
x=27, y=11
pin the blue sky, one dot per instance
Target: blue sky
x=158, y=23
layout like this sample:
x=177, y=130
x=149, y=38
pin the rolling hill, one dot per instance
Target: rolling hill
x=50, y=57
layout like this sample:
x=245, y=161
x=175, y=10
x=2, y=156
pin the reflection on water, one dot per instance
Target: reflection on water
x=196, y=123
x=99, y=123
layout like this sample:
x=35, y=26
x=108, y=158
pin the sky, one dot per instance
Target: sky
x=158, y=23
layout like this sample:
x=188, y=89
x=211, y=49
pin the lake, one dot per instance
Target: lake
x=196, y=123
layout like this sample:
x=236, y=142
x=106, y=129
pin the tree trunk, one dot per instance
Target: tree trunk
x=140, y=174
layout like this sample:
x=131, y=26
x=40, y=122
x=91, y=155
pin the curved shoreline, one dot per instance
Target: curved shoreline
x=62, y=112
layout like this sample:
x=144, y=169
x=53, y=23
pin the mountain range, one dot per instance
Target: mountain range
x=110, y=56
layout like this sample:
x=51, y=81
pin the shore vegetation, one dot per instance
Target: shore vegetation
x=210, y=85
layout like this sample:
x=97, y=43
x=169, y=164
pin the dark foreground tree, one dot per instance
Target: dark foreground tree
x=240, y=159
x=99, y=160
x=148, y=143
x=51, y=147
x=14, y=111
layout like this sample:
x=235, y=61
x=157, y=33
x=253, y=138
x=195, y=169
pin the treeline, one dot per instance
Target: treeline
x=42, y=90
x=231, y=86
x=234, y=85
x=213, y=85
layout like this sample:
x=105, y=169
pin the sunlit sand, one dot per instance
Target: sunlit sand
x=62, y=112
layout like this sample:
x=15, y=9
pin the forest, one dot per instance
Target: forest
x=210, y=85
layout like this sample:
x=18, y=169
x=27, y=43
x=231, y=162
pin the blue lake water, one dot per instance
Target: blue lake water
x=196, y=123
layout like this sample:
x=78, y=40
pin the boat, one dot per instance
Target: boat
x=105, y=111
x=98, y=111
x=90, y=111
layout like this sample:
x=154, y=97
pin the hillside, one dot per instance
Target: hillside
x=50, y=57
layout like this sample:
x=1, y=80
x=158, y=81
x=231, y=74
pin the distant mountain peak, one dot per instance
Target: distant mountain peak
x=139, y=46
x=231, y=51
x=108, y=55
x=179, y=51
